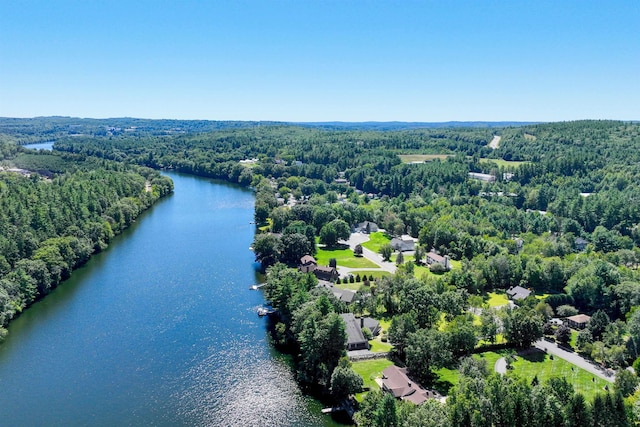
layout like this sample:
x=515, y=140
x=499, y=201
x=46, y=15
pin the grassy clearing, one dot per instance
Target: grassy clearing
x=501, y=162
x=344, y=257
x=376, y=240
x=447, y=378
x=497, y=299
x=411, y=158
x=369, y=370
x=541, y=365
x=377, y=346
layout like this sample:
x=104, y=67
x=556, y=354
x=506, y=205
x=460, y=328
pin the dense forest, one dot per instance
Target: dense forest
x=55, y=211
x=556, y=212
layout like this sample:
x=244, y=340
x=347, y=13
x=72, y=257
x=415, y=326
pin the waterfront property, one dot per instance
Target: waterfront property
x=396, y=382
x=355, y=337
x=344, y=295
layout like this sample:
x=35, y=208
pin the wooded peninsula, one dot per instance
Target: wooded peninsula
x=484, y=252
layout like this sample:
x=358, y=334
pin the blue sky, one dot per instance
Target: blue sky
x=322, y=60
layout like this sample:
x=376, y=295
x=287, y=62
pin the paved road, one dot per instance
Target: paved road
x=574, y=358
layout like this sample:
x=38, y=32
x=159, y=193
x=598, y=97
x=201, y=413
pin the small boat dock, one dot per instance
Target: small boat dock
x=263, y=311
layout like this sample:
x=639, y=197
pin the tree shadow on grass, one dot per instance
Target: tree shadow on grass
x=443, y=387
x=336, y=247
x=537, y=356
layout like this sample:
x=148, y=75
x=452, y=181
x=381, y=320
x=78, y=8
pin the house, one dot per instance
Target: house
x=434, y=258
x=372, y=324
x=518, y=292
x=482, y=177
x=366, y=227
x=307, y=264
x=329, y=274
x=402, y=245
x=396, y=382
x=579, y=321
x=580, y=244
x=344, y=295
x=355, y=337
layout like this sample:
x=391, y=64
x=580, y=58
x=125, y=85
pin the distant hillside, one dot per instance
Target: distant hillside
x=408, y=125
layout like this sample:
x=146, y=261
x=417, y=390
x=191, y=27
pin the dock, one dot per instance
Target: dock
x=263, y=311
x=257, y=286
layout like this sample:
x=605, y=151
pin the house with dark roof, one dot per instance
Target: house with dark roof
x=402, y=245
x=580, y=244
x=434, y=258
x=518, y=292
x=579, y=321
x=344, y=295
x=329, y=274
x=355, y=337
x=372, y=324
x=307, y=264
x=366, y=227
x=396, y=382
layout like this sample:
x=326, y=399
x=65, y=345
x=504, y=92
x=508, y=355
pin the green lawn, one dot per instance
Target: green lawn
x=501, y=162
x=378, y=346
x=540, y=364
x=409, y=158
x=447, y=378
x=369, y=370
x=574, y=339
x=496, y=299
x=344, y=258
x=376, y=240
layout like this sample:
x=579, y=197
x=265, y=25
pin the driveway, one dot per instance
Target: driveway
x=359, y=238
x=574, y=358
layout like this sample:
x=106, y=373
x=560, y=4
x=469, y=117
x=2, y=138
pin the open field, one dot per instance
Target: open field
x=421, y=158
x=541, y=365
x=501, y=162
x=344, y=258
x=413, y=158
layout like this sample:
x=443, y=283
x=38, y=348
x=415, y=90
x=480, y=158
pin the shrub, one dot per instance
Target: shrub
x=566, y=310
x=437, y=268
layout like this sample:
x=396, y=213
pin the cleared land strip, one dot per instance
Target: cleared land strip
x=495, y=142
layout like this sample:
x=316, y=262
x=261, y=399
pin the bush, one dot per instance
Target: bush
x=566, y=310
x=367, y=334
x=358, y=278
x=437, y=268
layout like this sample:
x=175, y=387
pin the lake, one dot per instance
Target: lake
x=161, y=329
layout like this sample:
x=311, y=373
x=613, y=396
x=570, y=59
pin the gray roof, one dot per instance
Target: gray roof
x=402, y=245
x=354, y=332
x=345, y=295
x=518, y=292
x=372, y=324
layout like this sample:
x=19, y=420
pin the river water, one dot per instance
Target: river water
x=159, y=330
